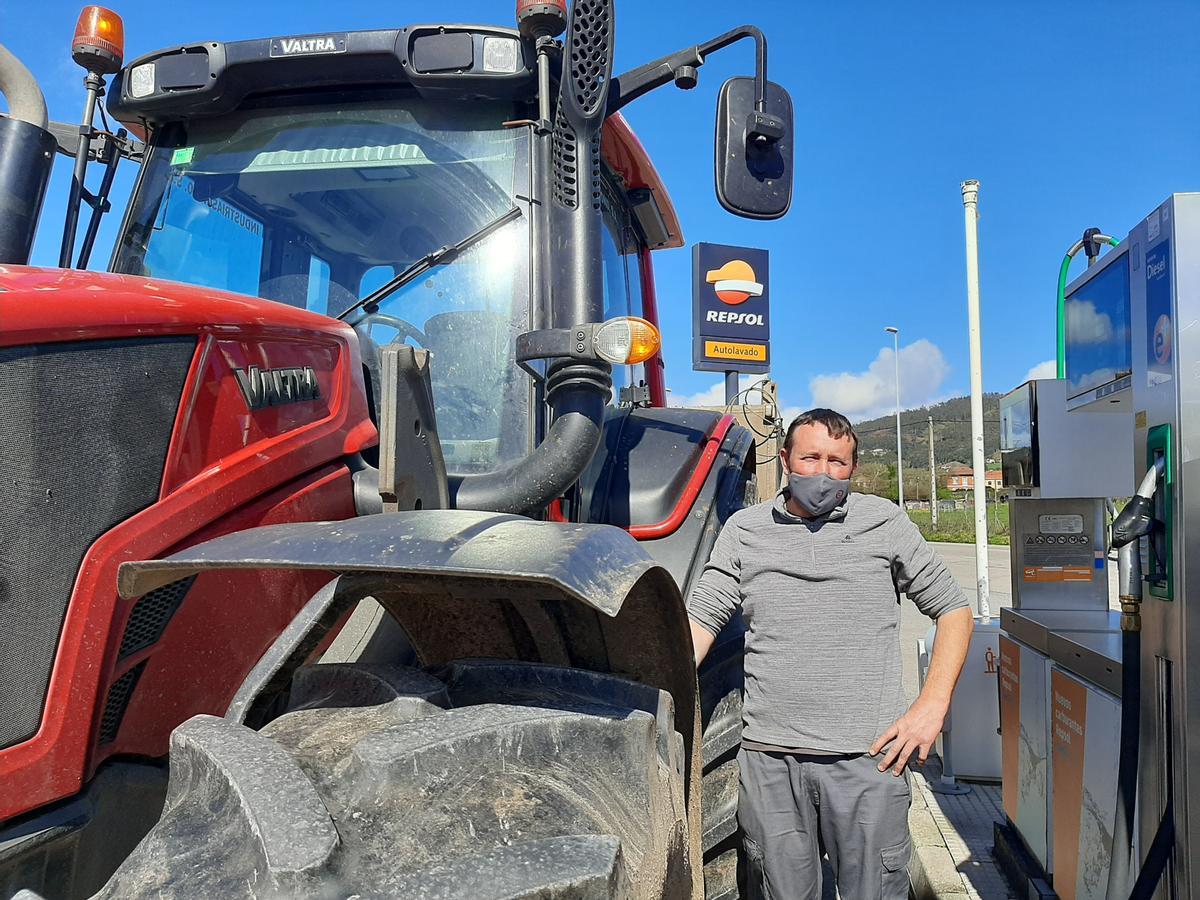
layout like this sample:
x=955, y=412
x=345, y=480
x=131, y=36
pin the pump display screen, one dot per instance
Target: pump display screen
x=1097, y=329
x=1018, y=443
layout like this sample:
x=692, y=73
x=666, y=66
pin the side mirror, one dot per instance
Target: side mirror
x=754, y=150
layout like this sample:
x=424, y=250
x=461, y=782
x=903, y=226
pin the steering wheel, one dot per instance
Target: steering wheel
x=403, y=327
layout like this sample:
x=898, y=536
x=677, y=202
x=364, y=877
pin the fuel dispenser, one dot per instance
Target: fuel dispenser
x=1060, y=651
x=1100, y=709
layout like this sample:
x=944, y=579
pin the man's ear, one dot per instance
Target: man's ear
x=783, y=459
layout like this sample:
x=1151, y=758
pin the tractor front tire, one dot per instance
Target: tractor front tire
x=486, y=779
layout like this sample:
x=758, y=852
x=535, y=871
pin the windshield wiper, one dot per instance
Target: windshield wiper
x=415, y=270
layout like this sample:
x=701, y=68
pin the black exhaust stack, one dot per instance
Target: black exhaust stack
x=575, y=219
x=26, y=158
x=576, y=390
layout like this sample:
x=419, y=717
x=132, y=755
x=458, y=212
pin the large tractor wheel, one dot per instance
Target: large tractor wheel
x=493, y=779
x=721, y=714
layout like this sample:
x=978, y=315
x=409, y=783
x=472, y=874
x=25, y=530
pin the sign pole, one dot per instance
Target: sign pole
x=933, y=501
x=731, y=388
x=970, y=199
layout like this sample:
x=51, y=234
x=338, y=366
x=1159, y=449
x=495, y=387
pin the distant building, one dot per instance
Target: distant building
x=962, y=478
x=878, y=451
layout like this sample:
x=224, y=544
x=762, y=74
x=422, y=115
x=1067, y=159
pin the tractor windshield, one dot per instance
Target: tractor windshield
x=317, y=206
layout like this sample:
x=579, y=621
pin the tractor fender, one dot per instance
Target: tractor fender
x=671, y=477
x=467, y=584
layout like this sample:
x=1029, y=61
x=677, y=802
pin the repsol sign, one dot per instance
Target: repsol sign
x=731, y=308
x=734, y=318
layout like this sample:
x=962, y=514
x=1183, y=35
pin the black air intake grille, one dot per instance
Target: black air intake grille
x=84, y=429
x=150, y=616
x=118, y=699
x=566, y=165
x=568, y=179
x=588, y=53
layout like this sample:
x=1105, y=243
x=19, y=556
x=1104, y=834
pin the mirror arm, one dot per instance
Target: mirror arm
x=760, y=53
x=681, y=66
x=633, y=84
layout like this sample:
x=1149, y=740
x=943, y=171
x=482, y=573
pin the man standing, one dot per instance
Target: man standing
x=817, y=575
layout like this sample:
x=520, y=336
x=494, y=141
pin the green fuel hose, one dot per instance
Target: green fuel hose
x=1062, y=302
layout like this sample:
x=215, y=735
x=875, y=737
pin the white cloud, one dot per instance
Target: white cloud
x=715, y=395
x=1087, y=326
x=864, y=395
x=1047, y=369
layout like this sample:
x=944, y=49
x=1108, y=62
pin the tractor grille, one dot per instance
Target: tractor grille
x=150, y=616
x=118, y=699
x=84, y=429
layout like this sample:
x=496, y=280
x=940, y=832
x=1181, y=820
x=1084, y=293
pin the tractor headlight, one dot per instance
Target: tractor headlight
x=502, y=55
x=141, y=80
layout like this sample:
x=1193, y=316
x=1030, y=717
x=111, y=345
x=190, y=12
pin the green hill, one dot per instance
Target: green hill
x=951, y=434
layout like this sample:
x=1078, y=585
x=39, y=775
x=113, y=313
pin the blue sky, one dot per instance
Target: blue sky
x=1066, y=121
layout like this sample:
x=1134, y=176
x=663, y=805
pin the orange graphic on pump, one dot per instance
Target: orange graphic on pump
x=735, y=282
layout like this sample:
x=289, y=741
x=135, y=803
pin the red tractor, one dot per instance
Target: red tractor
x=346, y=530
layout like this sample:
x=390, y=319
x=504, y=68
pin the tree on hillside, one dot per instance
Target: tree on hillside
x=951, y=436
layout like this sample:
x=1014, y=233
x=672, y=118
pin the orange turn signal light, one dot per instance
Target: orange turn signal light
x=627, y=340
x=99, y=41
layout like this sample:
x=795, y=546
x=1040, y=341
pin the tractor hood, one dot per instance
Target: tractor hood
x=39, y=305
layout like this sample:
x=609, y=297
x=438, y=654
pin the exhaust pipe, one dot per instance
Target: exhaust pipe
x=576, y=390
x=26, y=157
x=577, y=394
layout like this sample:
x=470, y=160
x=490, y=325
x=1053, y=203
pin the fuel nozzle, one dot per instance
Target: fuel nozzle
x=1135, y=521
x=1137, y=518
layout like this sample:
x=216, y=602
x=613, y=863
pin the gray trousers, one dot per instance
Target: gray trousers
x=792, y=807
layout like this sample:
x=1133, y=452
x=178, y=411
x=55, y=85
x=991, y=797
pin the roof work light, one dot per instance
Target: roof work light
x=99, y=41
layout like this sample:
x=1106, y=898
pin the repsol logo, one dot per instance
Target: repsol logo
x=275, y=387
x=1154, y=269
x=302, y=46
x=733, y=318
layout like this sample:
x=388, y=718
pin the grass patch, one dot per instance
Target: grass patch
x=958, y=525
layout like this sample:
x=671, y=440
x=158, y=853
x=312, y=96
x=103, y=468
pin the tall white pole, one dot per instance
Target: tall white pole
x=933, y=501
x=895, y=333
x=970, y=198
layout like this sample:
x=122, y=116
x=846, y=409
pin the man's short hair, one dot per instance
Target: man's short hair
x=835, y=423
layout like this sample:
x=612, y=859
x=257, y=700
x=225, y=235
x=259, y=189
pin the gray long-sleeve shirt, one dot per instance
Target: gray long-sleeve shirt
x=820, y=598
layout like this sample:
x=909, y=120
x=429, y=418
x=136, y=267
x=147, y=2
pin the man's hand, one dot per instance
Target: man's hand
x=916, y=730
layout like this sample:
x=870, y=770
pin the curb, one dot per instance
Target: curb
x=932, y=872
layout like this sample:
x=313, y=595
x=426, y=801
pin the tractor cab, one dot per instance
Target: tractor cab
x=316, y=171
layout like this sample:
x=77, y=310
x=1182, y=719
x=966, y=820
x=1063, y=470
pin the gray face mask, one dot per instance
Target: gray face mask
x=818, y=494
